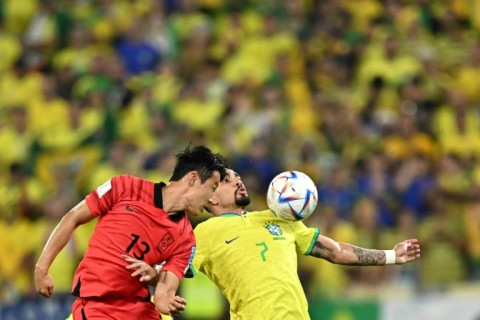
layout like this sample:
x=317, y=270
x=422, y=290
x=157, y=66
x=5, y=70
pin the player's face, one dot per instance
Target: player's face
x=232, y=185
x=201, y=193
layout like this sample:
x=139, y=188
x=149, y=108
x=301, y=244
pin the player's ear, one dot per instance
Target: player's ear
x=192, y=177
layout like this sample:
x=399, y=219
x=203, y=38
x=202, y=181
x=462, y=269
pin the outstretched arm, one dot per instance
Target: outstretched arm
x=79, y=215
x=348, y=254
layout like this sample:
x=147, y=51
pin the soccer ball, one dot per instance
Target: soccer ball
x=292, y=195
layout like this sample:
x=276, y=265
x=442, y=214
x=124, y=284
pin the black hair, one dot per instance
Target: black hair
x=200, y=159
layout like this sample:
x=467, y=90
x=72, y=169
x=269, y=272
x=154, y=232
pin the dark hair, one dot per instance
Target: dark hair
x=200, y=159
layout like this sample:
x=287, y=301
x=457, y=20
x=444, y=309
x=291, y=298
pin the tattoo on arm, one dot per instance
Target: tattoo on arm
x=320, y=251
x=365, y=257
x=369, y=256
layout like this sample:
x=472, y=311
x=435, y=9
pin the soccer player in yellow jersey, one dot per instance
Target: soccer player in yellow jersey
x=252, y=256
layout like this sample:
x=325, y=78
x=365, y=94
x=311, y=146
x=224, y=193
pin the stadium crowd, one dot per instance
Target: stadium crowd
x=377, y=100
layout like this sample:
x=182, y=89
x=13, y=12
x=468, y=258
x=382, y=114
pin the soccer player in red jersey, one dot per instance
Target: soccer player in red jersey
x=139, y=218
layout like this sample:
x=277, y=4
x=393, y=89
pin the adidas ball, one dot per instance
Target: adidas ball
x=292, y=195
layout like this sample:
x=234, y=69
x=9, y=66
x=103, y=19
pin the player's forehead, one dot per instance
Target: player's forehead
x=232, y=174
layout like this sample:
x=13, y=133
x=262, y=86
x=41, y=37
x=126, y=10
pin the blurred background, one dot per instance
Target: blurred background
x=377, y=100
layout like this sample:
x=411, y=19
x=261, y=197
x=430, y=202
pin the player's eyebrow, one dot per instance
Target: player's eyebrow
x=227, y=177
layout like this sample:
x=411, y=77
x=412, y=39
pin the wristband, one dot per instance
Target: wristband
x=390, y=256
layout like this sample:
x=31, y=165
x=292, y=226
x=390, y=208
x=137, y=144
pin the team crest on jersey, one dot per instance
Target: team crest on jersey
x=165, y=242
x=273, y=228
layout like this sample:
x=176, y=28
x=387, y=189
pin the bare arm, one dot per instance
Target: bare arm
x=60, y=236
x=166, y=300
x=348, y=254
x=166, y=286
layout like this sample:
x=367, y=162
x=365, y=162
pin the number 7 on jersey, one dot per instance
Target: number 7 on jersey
x=265, y=249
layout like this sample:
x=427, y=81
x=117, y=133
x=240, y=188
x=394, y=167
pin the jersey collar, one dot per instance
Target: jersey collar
x=158, y=201
x=157, y=194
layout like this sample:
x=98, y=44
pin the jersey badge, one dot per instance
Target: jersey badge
x=273, y=228
x=166, y=241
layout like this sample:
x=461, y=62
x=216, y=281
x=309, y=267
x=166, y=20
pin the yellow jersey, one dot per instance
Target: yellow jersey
x=252, y=258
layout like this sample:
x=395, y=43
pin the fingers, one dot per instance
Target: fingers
x=45, y=286
x=411, y=245
x=46, y=292
x=144, y=275
x=411, y=241
x=177, y=305
x=140, y=271
x=141, y=268
x=413, y=252
x=146, y=278
x=137, y=272
x=135, y=265
x=414, y=248
x=180, y=300
x=409, y=250
x=129, y=259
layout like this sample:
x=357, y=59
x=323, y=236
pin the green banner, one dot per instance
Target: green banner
x=344, y=309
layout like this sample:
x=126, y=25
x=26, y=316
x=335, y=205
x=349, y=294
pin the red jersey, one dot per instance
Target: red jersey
x=131, y=222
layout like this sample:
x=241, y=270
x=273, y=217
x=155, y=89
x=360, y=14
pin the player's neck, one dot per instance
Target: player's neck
x=172, y=200
x=234, y=210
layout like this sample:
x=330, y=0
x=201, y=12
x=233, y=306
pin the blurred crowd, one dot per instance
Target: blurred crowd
x=376, y=100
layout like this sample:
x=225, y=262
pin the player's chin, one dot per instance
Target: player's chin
x=242, y=200
x=195, y=211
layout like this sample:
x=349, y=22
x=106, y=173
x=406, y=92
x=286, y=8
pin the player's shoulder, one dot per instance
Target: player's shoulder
x=127, y=180
x=127, y=186
x=264, y=215
x=217, y=223
x=268, y=216
x=128, y=177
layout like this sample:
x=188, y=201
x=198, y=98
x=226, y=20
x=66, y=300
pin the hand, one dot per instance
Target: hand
x=176, y=305
x=407, y=251
x=142, y=269
x=44, y=283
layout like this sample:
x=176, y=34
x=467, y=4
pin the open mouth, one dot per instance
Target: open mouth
x=242, y=191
